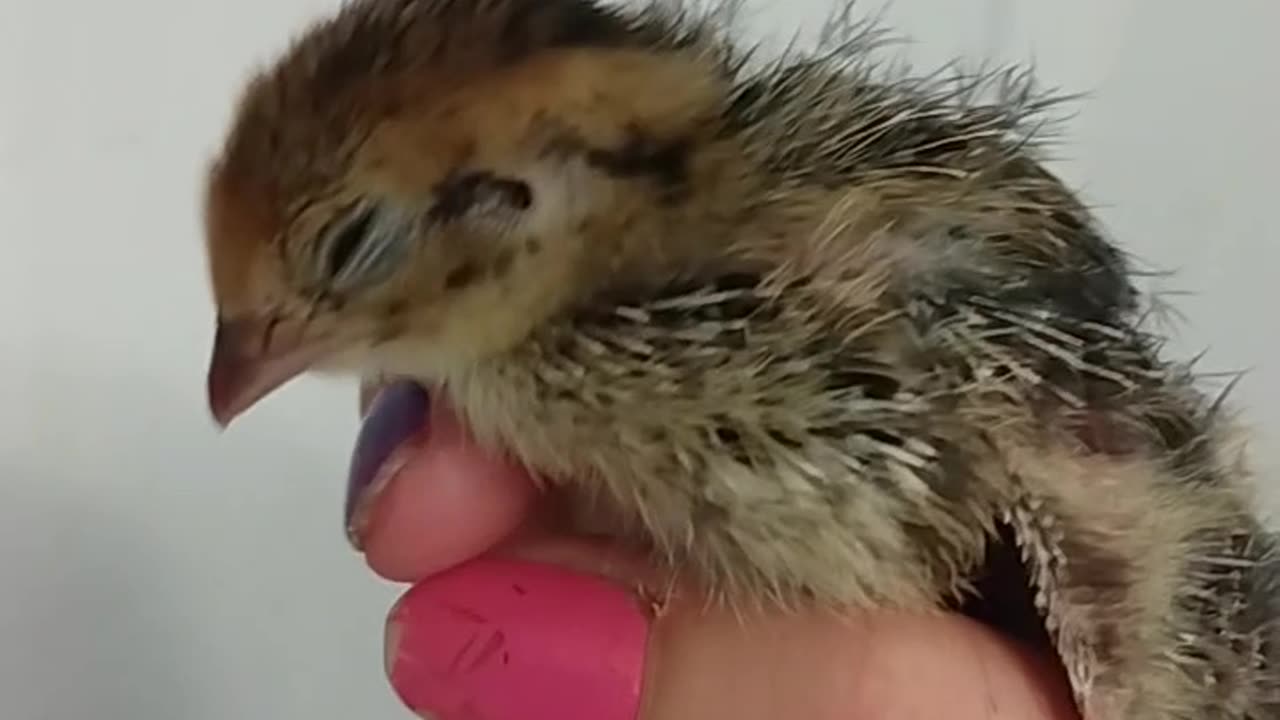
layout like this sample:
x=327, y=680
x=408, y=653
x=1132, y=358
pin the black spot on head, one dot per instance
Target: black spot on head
x=532, y=246
x=459, y=194
x=456, y=195
x=664, y=162
x=461, y=276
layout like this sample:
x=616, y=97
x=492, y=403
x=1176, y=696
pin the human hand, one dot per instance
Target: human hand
x=510, y=619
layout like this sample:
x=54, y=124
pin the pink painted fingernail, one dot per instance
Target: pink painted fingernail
x=504, y=640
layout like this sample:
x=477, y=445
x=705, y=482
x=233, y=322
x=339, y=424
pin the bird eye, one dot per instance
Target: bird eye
x=347, y=240
x=365, y=246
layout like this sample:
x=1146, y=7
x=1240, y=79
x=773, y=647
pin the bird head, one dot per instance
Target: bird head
x=417, y=184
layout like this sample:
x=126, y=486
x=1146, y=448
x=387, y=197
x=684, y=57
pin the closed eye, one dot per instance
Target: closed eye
x=365, y=246
x=347, y=241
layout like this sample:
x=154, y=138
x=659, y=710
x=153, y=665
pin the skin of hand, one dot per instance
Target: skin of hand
x=509, y=619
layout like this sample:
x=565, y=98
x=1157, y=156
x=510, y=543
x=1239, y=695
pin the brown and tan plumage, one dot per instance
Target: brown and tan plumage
x=815, y=332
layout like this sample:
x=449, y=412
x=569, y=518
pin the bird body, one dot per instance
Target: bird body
x=812, y=332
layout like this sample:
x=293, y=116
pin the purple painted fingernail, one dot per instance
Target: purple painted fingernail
x=398, y=414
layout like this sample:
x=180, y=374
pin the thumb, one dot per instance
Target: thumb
x=508, y=639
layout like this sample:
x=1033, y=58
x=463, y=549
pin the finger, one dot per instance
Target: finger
x=421, y=496
x=505, y=639
x=886, y=665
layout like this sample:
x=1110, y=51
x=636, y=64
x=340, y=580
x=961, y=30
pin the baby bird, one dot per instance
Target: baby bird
x=817, y=332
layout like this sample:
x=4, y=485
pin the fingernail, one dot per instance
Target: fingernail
x=505, y=640
x=397, y=416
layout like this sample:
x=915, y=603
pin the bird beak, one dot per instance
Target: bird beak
x=253, y=357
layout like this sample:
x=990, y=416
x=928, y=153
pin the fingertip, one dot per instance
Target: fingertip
x=509, y=639
x=448, y=502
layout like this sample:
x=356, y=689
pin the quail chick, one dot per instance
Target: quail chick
x=815, y=332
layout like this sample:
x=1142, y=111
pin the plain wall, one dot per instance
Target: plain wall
x=152, y=568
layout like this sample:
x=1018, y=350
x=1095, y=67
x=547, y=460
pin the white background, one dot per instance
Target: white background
x=150, y=568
